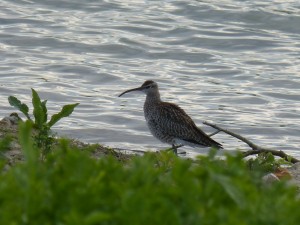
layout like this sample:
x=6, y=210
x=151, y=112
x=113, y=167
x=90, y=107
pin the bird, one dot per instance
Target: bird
x=169, y=123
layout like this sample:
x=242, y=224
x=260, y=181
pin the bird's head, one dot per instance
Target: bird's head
x=148, y=87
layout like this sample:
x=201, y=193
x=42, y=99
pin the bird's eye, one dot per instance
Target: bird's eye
x=148, y=87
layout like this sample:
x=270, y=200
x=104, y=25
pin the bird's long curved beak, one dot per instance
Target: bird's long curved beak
x=130, y=90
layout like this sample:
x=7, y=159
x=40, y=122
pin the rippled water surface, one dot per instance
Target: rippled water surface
x=234, y=63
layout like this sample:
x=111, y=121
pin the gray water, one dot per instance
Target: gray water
x=233, y=63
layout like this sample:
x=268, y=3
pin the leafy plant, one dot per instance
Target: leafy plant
x=266, y=162
x=70, y=187
x=43, y=136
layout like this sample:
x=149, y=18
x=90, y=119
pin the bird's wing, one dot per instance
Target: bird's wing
x=175, y=121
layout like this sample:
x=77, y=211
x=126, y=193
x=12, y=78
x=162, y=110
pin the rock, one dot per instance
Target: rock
x=295, y=173
x=11, y=120
x=283, y=173
x=270, y=178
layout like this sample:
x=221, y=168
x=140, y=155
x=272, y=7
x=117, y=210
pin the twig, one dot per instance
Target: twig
x=255, y=148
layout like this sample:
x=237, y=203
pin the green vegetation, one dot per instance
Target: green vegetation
x=70, y=187
x=266, y=162
x=43, y=136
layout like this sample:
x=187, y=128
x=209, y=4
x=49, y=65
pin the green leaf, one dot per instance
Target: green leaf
x=230, y=188
x=45, y=110
x=13, y=101
x=30, y=153
x=65, y=112
x=38, y=112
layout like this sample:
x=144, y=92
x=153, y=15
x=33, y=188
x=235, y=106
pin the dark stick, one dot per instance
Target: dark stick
x=255, y=148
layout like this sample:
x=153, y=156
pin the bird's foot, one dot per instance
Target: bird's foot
x=174, y=148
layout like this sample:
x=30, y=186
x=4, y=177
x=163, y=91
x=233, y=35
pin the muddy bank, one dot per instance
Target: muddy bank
x=13, y=153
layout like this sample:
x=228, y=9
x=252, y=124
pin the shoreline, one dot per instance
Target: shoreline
x=13, y=155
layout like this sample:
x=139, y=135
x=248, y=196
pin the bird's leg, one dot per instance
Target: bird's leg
x=174, y=147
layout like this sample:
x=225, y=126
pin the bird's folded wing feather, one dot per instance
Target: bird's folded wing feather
x=175, y=122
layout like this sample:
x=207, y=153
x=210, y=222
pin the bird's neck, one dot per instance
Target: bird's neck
x=153, y=97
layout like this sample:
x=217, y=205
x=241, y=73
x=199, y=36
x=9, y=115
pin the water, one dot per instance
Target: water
x=234, y=63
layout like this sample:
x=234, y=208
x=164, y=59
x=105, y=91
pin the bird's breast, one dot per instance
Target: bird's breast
x=152, y=116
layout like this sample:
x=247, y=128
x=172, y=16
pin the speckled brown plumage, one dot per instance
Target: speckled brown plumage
x=168, y=122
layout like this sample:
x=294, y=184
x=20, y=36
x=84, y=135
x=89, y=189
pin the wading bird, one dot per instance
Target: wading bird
x=169, y=123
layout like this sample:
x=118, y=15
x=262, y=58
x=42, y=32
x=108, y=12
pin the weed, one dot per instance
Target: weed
x=43, y=136
x=70, y=187
x=266, y=162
